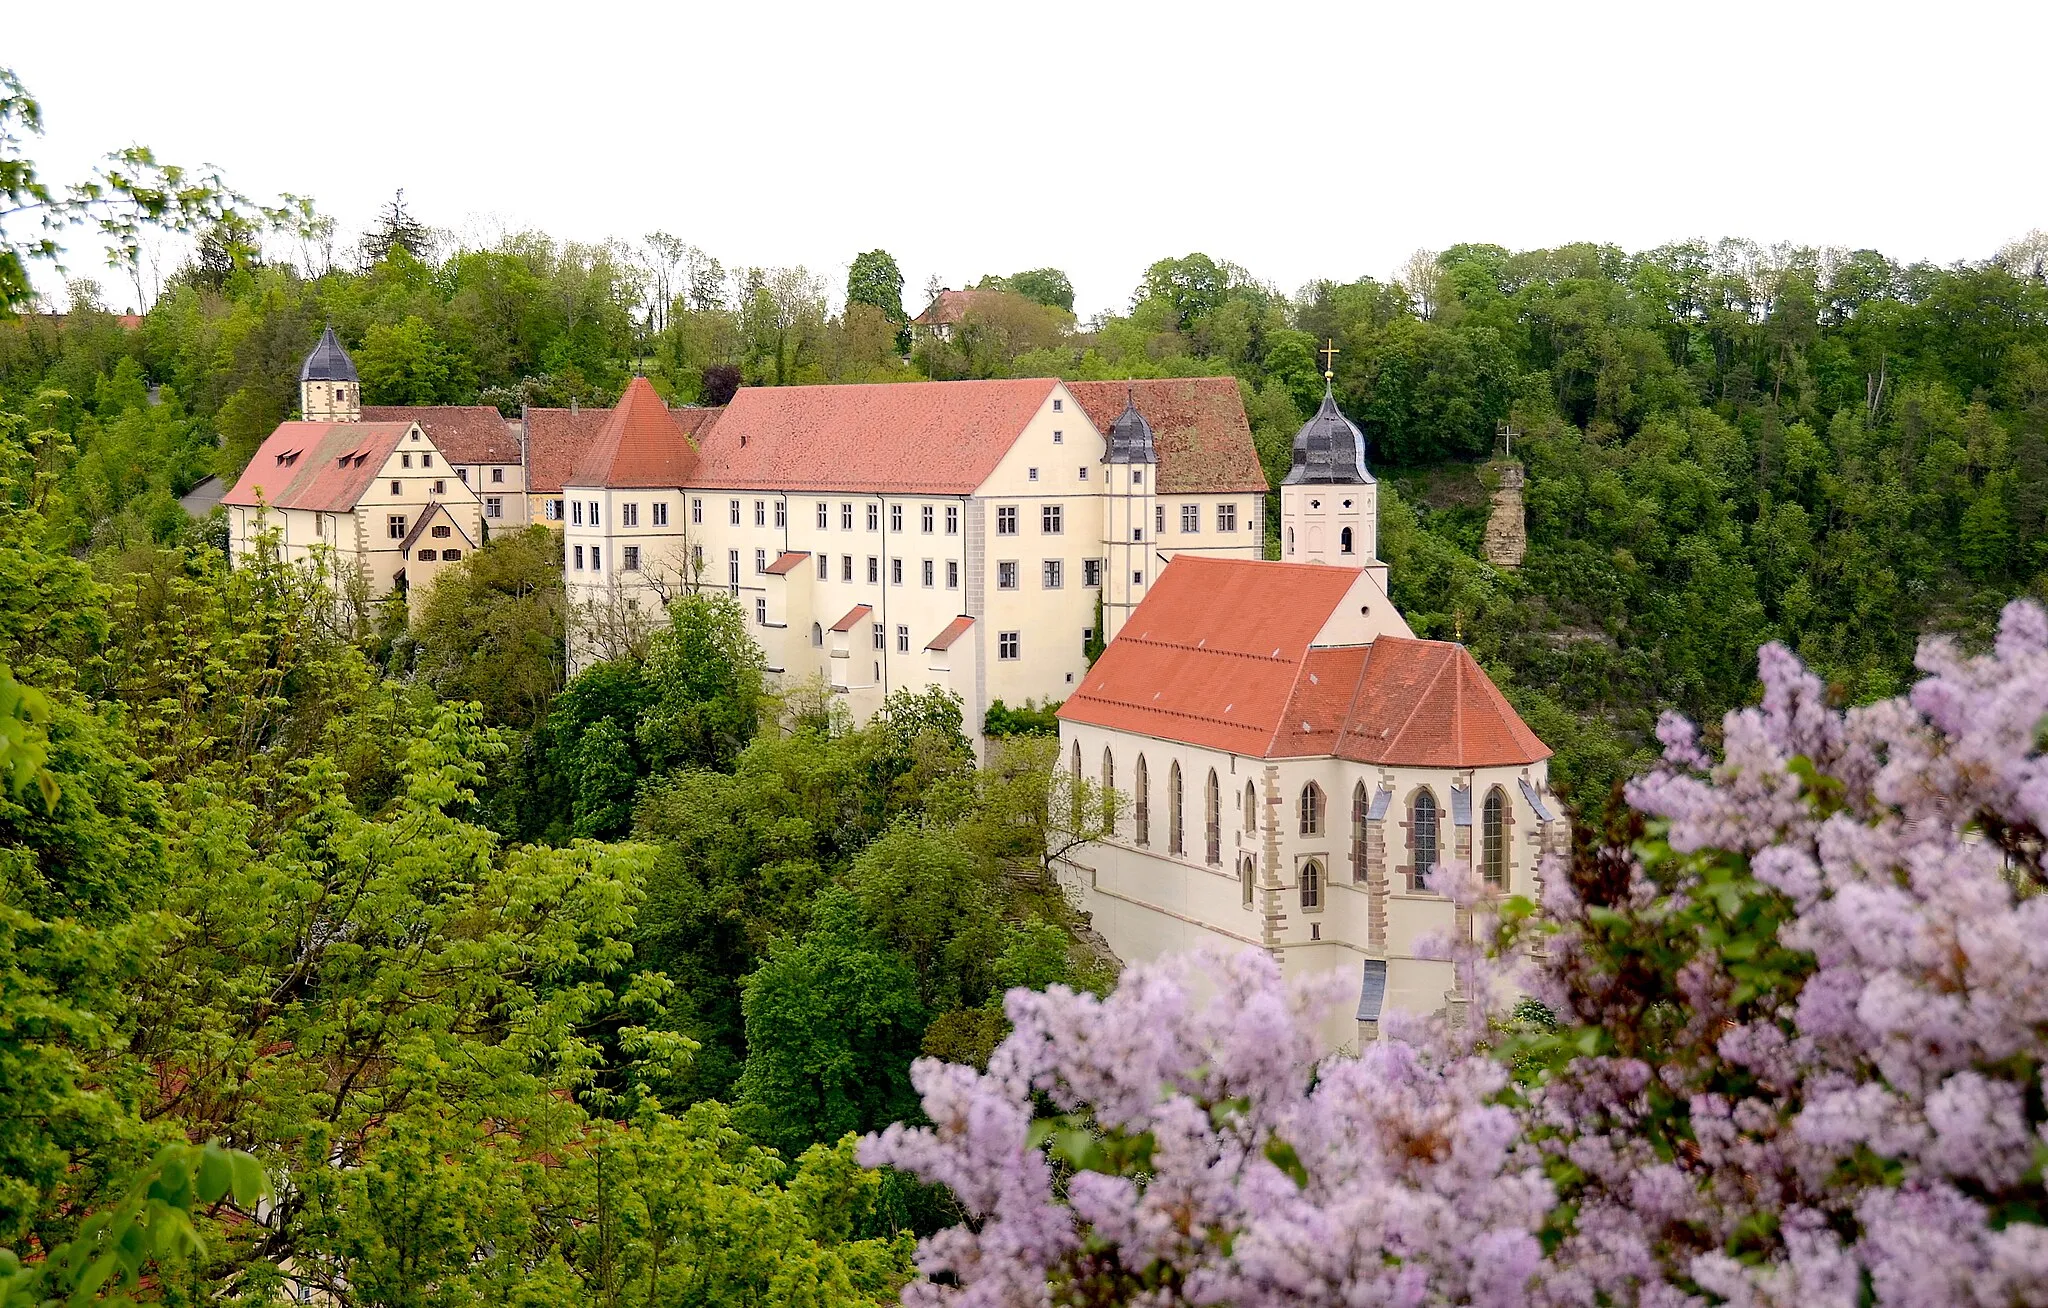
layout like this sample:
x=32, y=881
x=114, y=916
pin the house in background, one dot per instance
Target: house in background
x=943, y=316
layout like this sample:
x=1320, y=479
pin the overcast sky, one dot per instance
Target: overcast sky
x=1297, y=140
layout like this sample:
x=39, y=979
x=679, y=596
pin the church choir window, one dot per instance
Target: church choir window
x=1226, y=517
x=630, y=560
x=1143, y=812
x=1290, y=540
x=661, y=513
x=1422, y=831
x=895, y=517
x=1008, y=646
x=1074, y=767
x=1174, y=842
x=1212, y=821
x=952, y=520
x=1493, y=842
x=1108, y=788
x=1311, y=810
x=1251, y=808
x=1190, y=517
x=1360, y=806
x=1344, y=541
x=817, y=636
x=824, y=516
x=1052, y=519
x=1247, y=873
x=1006, y=520
x=1312, y=884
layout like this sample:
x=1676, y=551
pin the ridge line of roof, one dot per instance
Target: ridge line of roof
x=1169, y=712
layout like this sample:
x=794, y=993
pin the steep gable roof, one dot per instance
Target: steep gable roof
x=324, y=467
x=948, y=308
x=640, y=444
x=932, y=438
x=435, y=511
x=555, y=442
x=464, y=433
x=1220, y=655
x=1199, y=430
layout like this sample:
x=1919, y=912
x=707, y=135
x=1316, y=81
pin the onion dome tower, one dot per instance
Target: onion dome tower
x=1329, y=502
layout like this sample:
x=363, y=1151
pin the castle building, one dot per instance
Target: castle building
x=1292, y=764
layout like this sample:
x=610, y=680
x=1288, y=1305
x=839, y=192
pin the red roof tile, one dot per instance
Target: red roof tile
x=320, y=466
x=464, y=433
x=555, y=442
x=934, y=438
x=785, y=563
x=1219, y=655
x=640, y=444
x=853, y=615
x=948, y=308
x=1198, y=427
x=954, y=630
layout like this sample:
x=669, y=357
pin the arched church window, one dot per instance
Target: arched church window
x=817, y=634
x=1344, y=541
x=1142, y=800
x=1312, y=884
x=1360, y=802
x=1251, y=808
x=1108, y=789
x=1212, y=821
x=1311, y=810
x=1422, y=829
x=1290, y=540
x=1493, y=843
x=1247, y=874
x=1176, y=842
x=1076, y=768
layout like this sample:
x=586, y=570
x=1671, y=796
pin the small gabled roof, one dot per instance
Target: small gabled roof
x=954, y=631
x=786, y=562
x=435, y=509
x=328, y=361
x=464, y=433
x=640, y=444
x=324, y=467
x=853, y=615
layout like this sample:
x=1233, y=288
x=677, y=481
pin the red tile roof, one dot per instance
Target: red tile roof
x=640, y=444
x=853, y=615
x=954, y=630
x=948, y=308
x=434, y=509
x=785, y=563
x=321, y=466
x=932, y=438
x=464, y=433
x=1198, y=427
x=555, y=441
x=1219, y=654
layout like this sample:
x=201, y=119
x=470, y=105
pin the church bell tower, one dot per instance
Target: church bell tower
x=329, y=390
x=1128, y=527
x=1329, y=502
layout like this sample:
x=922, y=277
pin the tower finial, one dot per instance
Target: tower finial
x=1329, y=353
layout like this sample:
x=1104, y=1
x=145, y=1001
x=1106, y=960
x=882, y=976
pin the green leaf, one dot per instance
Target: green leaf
x=1281, y=1154
x=216, y=1173
x=249, y=1182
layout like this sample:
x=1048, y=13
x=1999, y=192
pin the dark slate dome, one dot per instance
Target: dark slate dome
x=328, y=361
x=1130, y=436
x=1328, y=449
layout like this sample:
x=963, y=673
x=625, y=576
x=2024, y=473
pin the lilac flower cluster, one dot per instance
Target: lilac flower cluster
x=1802, y=1023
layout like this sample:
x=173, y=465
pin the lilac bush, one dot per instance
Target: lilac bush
x=1784, y=1045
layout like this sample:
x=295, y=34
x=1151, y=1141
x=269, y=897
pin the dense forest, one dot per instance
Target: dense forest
x=529, y=991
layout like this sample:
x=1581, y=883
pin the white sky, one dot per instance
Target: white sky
x=1297, y=140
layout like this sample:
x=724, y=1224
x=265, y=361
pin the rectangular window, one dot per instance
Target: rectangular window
x=782, y=513
x=846, y=517
x=902, y=640
x=1059, y=438
x=579, y=557
x=405, y=460
x=1091, y=572
x=1006, y=576
x=880, y=634
x=924, y=517
x=1052, y=519
x=494, y=506
x=952, y=520
x=630, y=560
x=874, y=517
x=927, y=572
x=846, y=567
x=824, y=515
x=761, y=610
x=952, y=574
x=596, y=557
x=594, y=518
x=1159, y=520
x=1138, y=577
x=553, y=512
x=395, y=489
x=440, y=488
x=732, y=512
x=874, y=570
x=895, y=517
x=732, y=569
x=1007, y=645
x=1087, y=639
x=1190, y=517
x=1055, y=574
x=1033, y=474
x=1226, y=517
x=1084, y=472
x=462, y=475
x=697, y=560
x=1055, y=406
x=895, y=572
x=760, y=513
x=394, y=526
x=497, y=476
x=629, y=515
x=661, y=513
x=760, y=560
x=824, y=567
x=697, y=508
x=1006, y=520
x=426, y=459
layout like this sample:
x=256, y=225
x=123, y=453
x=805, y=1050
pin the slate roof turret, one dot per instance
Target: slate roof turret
x=328, y=361
x=1329, y=449
x=1130, y=436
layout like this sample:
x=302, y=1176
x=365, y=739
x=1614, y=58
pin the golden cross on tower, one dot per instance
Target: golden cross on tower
x=1329, y=353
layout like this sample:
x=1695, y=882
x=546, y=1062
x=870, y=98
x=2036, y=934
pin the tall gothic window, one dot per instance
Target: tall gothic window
x=1143, y=803
x=1251, y=808
x=1493, y=841
x=1311, y=810
x=1175, y=841
x=1422, y=839
x=1076, y=769
x=1247, y=873
x=1108, y=789
x=1359, y=807
x=1312, y=884
x=1212, y=821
